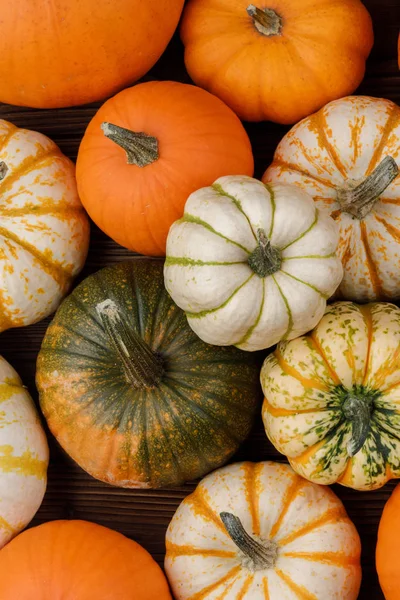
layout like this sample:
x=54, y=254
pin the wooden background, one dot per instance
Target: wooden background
x=144, y=515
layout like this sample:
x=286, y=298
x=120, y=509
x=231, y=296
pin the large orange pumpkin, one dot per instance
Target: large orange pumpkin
x=278, y=60
x=77, y=560
x=388, y=548
x=66, y=52
x=146, y=150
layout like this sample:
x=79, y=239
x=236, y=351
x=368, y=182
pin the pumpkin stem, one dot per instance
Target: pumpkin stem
x=266, y=20
x=141, y=149
x=360, y=200
x=258, y=556
x=143, y=368
x=3, y=170
x=265, y=259
x=357, y=409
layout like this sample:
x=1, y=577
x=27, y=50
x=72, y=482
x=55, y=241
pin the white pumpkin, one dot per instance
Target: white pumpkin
x=44, y=231
x=345, y=156
x=251, y=264
x=24, y=455
x=258, y=531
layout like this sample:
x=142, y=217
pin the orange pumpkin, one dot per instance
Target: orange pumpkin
x=146, y=150
x=280, y=60
x=388, y=548
x=69, y=52
x=77, y=560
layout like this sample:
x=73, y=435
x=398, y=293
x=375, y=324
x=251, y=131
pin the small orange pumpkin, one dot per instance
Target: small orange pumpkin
x=146, y=150
x=280, y=60
x=388, y=547
x=77, y=560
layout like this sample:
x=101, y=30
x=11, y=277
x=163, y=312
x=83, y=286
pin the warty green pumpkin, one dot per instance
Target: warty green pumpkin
x=131, y=393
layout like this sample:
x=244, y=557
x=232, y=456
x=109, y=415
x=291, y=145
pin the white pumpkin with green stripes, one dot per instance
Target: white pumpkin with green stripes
x=332, y=397
x=24, y=455
x=252, y=264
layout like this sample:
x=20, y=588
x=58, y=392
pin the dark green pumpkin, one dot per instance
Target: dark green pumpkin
x=131, y=393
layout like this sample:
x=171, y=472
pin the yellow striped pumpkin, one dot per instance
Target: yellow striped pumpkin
x=332, y=398
x=44, y=231
x=251, y=264
x=258, y=531
x=23, y=455
x=345, y=156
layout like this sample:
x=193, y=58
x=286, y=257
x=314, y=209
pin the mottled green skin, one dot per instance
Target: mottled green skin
x=186, y=426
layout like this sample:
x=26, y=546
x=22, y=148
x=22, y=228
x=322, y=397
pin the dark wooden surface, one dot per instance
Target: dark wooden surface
x=144, y=515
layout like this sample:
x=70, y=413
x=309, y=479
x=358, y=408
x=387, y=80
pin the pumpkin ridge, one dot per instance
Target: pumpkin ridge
x=28, y=165
x=250, y=475
x=201, y=507
x=305, y=381
x=290, y=494
x=320, y=126
x=286, y=166
x=288, y=310
x=191, y=262
x=392, y=122
x=333, y=255
x=332, y=515
x=300, y=591
x=202, y=595
x=192, y=219
x=40, y=211
x=246, y=585
x=317, y=346
x=249, y=332
x=373, y=272
x=204, y=313
x=6, y=138
x=338, y=559
x=273, y=206
x=60, y=274
x=392, y=231
x=313, y=224
x=367, y=315
x=7, y=320
x=265, y=588
x=219, y=189
x=324, y=296
x=175, y=550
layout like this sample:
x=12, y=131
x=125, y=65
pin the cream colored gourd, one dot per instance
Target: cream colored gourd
x=332, y=397
x=251, y=264
x=44, y=231
x=345, y=156
x=258, y=531
x=24, y=455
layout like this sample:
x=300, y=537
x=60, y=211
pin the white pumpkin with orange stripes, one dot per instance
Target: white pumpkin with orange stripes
x=24, y=455
x=258, y=531
x=346, y=156
x=44, y=231
x=332, y=398
x=251, y=264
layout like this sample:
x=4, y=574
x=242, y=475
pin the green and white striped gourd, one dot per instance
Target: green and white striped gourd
x=251, y=264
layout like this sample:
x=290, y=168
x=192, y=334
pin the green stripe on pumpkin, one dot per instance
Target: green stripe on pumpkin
x=204, y=313
x=219, y=189
x=252, y=328
x=192, y=219
x=313, y=224
x=191, y=262
x=324, y=296
x=289, y=312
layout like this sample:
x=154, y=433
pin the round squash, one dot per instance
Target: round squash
x=345, y=157
x=331, y=398
x=24, y=456
x=258, y=531
x=131, y=393
x=388, y=547
x=251, y=264
x=44, y=231
x=146, y=150
x=279, y=60
x=77, y=560
x=69, y=52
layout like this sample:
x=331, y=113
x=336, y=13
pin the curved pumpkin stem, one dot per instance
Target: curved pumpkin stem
x=141, y=149
x=360, y=200
x=266, y=20
x=357, y=410
x=143, y=368
x=265, y=259
x=259, y=555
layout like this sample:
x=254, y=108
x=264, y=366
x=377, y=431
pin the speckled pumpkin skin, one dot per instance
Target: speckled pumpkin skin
x=354, y=349
x=187, y=425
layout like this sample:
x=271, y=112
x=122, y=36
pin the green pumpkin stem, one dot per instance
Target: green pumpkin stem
x=258, y=556
x=143, y=368
x=265, y=259
x=357, y=410
x=360, y=200
x=141, y=149
x=266, y=20
x=3, y=170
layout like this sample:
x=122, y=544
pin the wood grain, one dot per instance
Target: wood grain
x=144, y=515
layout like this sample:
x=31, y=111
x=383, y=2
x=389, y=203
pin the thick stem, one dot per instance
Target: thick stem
x=3, y=170
x=360, y=200
x=265, y=259
x=260, y=555
x=266, y=20
x=141, y=149
x=358, y=410
x=143, y=368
